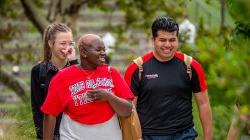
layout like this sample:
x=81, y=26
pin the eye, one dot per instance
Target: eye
x=72, y=43
x=98, y=50
x=63, y=43
x=162, y=40
x=172, y=40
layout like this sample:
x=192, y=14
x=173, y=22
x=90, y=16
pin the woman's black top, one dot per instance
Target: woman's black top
x=41, y=75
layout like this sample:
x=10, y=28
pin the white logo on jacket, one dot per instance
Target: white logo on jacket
x=151, y=76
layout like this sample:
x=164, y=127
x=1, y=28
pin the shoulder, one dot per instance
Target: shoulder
x=181, y=55
x=145, y=58
x=197, y=66
x=36, y=67
x=65, y=73
x=113, y=69
x=67, y=70
x=106, y=68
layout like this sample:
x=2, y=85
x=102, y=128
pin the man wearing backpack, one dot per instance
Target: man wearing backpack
x=164, y=81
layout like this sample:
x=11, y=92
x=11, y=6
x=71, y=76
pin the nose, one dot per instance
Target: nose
x=67, y=49
x=103, y=52
x=167, y=43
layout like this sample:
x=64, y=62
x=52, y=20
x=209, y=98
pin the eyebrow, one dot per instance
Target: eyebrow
x=65, y=41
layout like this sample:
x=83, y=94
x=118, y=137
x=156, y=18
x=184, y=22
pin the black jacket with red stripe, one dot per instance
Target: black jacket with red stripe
x=164, y=93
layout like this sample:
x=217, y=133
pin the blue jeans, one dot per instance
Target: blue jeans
x=188, y=134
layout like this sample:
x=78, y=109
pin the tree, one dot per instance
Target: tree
x=241, y=33
x=223, y=14
x=138, y=14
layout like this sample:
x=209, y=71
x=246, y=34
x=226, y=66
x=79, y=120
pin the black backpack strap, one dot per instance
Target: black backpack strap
x=139, y=61
x=42, y=75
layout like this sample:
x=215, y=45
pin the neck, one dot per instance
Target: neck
x=87, y=66
x=58, y=63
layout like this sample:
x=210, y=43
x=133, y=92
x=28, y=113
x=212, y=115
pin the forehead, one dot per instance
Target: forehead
x=166, y=34
x=97, y=43
x=63, y=36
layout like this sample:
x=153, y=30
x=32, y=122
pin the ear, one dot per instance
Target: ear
x=83, y=52
x=50, y=43
x=152, y=40
x=83, y=55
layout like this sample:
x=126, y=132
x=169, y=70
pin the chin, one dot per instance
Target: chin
x=63, y=58
x=101, y=63
x=166, y=55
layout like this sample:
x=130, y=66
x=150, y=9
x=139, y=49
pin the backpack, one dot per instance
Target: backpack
x=130, y=125
x=42, y=76
x=187, y=59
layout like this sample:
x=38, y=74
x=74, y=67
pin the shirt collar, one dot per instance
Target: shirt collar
x=51, y=67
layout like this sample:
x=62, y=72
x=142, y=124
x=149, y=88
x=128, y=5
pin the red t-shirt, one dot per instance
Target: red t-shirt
x=67, y=93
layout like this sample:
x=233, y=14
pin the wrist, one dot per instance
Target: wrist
x=109, y=95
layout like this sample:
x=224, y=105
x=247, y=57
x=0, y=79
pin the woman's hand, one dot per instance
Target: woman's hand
x=121, y=106
x=70, y=53
x=99, y=94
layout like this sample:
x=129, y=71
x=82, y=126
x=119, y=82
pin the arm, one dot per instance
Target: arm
x=36, y=101
x=121, y=106
x=49, y=122
x=233, y=132
x=205, y=113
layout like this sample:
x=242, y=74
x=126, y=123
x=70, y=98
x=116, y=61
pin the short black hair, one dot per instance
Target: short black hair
x=164, y=23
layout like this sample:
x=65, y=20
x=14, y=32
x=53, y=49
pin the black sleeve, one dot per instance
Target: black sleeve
x=73, y=62
x=36, y=101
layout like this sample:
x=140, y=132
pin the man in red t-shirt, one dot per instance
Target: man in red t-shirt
x=89, y=95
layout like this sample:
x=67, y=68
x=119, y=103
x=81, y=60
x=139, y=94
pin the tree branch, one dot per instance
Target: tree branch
x=53, y=10
x=10, y=81
x=34, y=15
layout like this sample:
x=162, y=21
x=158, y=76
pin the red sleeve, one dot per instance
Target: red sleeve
x=56, y=100
x=198, y=77
x=121, y=88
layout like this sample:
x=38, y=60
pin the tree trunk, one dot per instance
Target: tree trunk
x=31, y=11
x=62, y=11
x=69, y=11
x=223, y=18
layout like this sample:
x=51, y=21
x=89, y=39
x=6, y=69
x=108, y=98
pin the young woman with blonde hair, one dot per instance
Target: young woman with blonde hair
x=59, y=53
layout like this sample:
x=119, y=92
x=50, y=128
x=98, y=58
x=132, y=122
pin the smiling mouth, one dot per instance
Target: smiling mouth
x=102, y=59
x=166, y=50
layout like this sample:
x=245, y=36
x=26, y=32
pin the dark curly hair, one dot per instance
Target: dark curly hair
x=164, y=23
